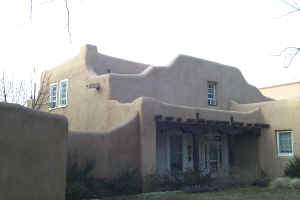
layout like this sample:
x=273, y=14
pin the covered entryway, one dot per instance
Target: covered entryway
x=198, y=144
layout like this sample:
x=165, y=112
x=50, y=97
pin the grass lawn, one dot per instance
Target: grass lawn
x=247, y=193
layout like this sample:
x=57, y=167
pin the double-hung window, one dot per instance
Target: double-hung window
x=285, y=143
x=212, y=97
x=63, y=92
x=58, y=94
x=53, y=95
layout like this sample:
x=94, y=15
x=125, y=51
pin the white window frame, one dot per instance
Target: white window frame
x=50, y=97
x=212, y=101
x=278, y=145
x=60, y=92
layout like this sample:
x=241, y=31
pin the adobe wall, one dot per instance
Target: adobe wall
x=32, y=154
x=245, y=157
x=184, y=82
x=88, y=109
x=113, y=151
x=282, y=92
x=103, y=64
x=281, y=115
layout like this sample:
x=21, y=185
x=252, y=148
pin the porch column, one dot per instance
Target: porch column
x=230, y=152
x=196, y=151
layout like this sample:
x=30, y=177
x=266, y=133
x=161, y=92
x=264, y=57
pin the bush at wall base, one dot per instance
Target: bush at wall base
x=293, y=168
x=82, y=185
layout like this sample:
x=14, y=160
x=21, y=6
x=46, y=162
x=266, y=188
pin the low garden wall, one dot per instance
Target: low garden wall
x=32, y=154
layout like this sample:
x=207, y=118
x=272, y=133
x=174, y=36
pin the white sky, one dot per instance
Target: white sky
x=244, y=34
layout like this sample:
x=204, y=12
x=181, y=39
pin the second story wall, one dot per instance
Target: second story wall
x=185, y=82
x=87, y=109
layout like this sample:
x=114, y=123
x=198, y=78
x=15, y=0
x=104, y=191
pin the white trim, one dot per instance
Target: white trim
x=278, y=146
x=60, y=88
x=212, y=101
x=50, y=97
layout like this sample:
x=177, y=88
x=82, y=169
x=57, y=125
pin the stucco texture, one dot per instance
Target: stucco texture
x=113, y=152
x=281, y=115
x=132, y=90
x=184, y=82
x=284, y=91
x=32, y=153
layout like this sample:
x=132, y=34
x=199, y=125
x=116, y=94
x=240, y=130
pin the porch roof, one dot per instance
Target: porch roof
x=201, y=126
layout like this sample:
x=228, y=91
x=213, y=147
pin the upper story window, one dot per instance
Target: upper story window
x=285, y=143
x=212, y=98
x=58, y=96
x=63, y=92
x=53, y=95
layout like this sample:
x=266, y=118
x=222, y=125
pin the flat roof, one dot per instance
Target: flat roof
x=280, y=85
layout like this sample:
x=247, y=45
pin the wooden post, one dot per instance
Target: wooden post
x=196, y=151
x=230, y=152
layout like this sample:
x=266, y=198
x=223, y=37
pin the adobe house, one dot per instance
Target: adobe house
x=282, y=91
x=192, y=114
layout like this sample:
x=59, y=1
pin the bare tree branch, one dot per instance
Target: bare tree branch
x=68, y=15
x=289, y=53
x=68, y=19
x=34, y=92
x=30, y=17
x=41, y=95
x=293, y=4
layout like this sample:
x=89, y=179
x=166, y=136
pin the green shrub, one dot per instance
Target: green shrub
x=127, y=182
x=295, y=183
x=293, y=168
x=194, y=177
x=281, y=182
x=176, y=180
x=80, y=183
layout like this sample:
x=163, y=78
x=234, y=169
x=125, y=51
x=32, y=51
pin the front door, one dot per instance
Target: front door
x=212, y=156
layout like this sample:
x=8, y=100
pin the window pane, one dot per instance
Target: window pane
x=285, y=142
x=211, y=93
x=63, y=93
x=52, y=96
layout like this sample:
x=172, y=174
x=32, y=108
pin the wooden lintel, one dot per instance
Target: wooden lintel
x=169, y=118
x=260, y=125
x=189, y=120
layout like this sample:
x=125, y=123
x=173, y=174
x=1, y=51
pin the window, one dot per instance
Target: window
x=58, y=96
x=53, y=95
x=212, y=100
x=63, y=86
x=284, y=143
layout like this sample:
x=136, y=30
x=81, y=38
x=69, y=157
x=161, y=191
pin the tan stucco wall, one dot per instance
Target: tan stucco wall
x=32, y=154
x=88, y=109
x=245, y=156
x=281, y=115
x=112, y=151
x=184, y=82
x=100, y=64
x=285, y=91
x=123, y=93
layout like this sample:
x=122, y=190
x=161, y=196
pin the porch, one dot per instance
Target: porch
x=199, y=144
